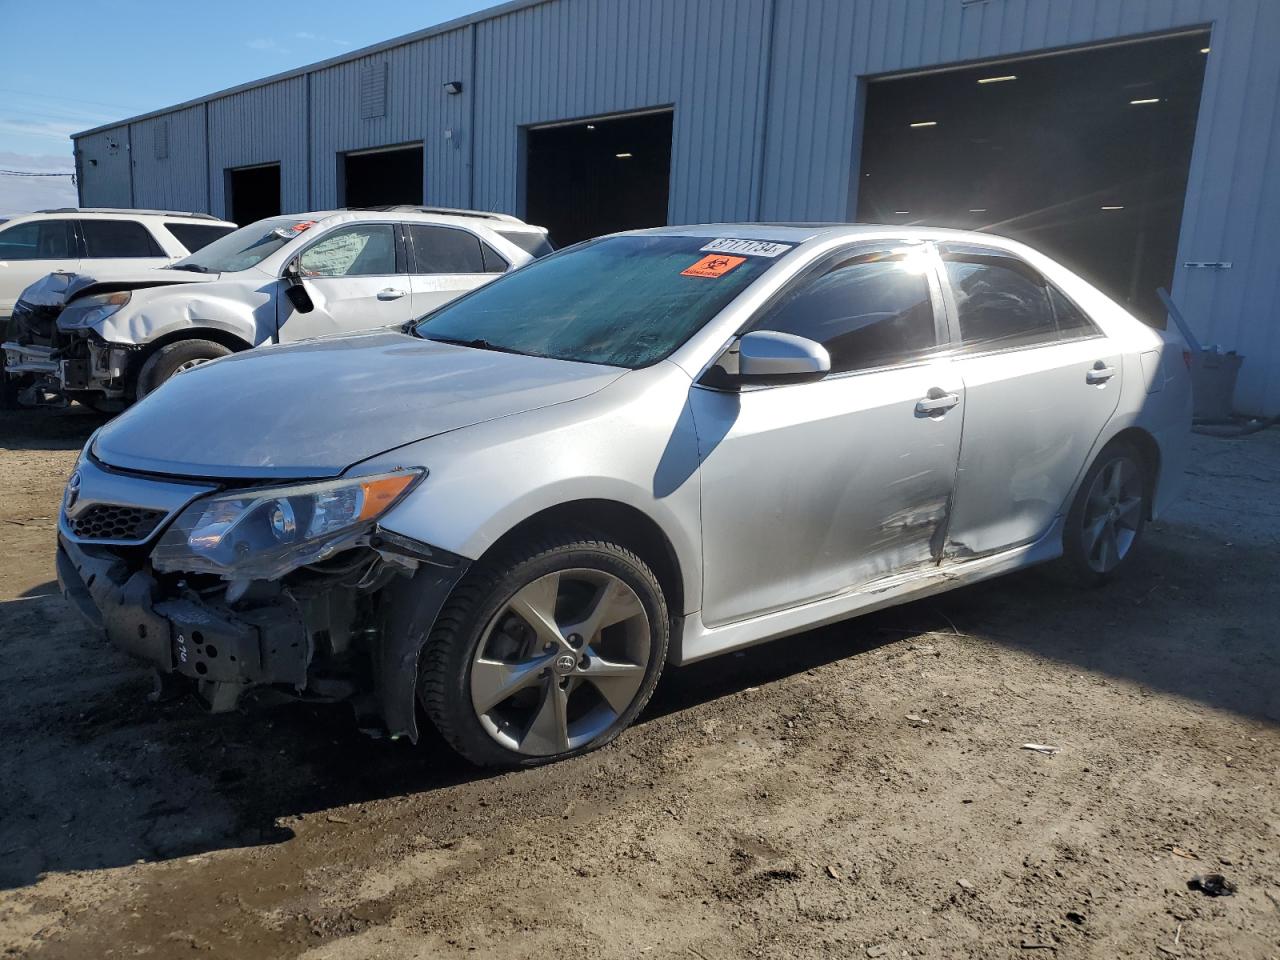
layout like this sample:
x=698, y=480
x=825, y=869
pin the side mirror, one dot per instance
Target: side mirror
x=295, y=291
x=770, y=357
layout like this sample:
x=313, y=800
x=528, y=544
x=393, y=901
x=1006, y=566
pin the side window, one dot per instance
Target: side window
x=38, y=240
x=869, y=310
x=1000, y=301
x=118, y=238
x=494, y=262
x=194, y=236
x=364, y=250
x=445, y=250
x=1071, y=320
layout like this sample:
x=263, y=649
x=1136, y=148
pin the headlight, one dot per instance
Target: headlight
x=87, y=311
x=264, y=533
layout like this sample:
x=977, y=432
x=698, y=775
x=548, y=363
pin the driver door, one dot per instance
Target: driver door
x=357, y=280
x=813, y=489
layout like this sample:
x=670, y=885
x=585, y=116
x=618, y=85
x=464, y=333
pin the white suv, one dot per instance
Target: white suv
x=99, y=240
x=278, y=280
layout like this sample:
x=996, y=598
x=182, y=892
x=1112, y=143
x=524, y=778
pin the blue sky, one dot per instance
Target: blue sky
x=94, y=62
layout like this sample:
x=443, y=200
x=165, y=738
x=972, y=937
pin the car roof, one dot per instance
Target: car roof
x=118, y=212
x=802, y=232
x=453, y=218
x=798, y=233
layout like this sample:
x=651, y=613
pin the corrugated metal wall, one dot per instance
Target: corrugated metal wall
x=266, y=124
x=102, y=160
x=418, y=111
x=168, y=182
x=590, y=57
x=767, y=97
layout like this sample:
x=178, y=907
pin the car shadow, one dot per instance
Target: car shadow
x=48, y=428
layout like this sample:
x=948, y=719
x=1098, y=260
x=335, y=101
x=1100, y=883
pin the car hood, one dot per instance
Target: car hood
x=59, y=289
x=313, y=409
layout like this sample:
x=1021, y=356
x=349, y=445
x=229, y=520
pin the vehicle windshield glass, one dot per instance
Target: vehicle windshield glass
x=244, y=248
x=623, y=301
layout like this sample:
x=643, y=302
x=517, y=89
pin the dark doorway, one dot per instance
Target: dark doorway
x=596, y=176
x=253, y=193
x=376, y=177
x=1083, y=155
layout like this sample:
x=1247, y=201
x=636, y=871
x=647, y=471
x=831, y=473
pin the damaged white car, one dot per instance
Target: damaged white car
x=650, y=448
x=283, y=279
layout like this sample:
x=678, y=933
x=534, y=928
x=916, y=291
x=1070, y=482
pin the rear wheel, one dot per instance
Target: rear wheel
x=1108, y=515
x=175, y=358
x=545, y=654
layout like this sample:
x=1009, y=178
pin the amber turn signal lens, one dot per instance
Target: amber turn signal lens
x=381, y=493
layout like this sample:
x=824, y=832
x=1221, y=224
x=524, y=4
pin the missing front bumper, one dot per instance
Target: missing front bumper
x=225, y=652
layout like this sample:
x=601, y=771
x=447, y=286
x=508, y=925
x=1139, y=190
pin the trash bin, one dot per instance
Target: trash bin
x=1213, y=383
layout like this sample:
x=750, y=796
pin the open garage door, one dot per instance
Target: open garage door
x=597, y=176
x=253, y=193
x=1082, y=154
x=374, y=178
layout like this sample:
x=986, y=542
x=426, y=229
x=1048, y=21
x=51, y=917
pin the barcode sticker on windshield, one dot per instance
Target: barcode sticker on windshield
x=749, y=248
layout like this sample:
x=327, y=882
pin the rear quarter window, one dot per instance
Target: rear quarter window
x=195, y=236
x=534, y=244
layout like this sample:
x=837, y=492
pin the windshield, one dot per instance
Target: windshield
x=623, y=301
x=244, y=248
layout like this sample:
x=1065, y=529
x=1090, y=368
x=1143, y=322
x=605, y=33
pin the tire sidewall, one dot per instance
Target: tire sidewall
x=492, y=589
x=1074, y=553
x=162, y=365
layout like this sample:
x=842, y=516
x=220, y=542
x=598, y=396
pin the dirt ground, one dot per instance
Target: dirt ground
x=858, y=791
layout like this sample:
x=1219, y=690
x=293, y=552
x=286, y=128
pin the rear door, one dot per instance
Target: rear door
x=1041, y=381
x=29, y=251
x=815, y=489
x=356, y=278
x=448, y=262
x=114, y=245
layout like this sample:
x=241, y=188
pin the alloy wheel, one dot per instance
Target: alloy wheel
x=560, y=662
x=1112, y=514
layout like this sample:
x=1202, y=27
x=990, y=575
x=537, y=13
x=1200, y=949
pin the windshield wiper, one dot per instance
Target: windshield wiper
x=193, y=267
x=478, y=343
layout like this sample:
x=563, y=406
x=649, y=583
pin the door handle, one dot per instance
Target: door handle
x=1100, y=373
x=390, y=293
x=936, y=402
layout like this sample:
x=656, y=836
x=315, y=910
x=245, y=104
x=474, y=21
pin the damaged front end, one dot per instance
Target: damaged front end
x=54, y=355
x=294, y=587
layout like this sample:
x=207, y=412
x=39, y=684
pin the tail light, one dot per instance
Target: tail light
x=1186, y=358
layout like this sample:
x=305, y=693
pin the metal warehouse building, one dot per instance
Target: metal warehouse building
x=1136, y=140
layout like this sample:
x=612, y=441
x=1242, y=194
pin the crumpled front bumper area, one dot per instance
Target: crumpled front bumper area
x=224, y=652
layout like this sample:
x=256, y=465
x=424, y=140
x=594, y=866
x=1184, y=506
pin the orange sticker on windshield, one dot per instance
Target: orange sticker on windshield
x=713, y=265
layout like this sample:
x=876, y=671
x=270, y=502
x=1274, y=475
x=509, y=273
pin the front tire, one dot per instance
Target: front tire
x=173, y=359
x=545, y=653
x=1107, y=517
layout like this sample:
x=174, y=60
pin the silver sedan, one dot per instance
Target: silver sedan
x=648, y=449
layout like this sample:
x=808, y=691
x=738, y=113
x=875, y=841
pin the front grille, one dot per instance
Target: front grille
x=105, y=521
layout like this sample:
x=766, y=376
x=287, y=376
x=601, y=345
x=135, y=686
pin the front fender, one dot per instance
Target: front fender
x=632, y=443
x=249, y=317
